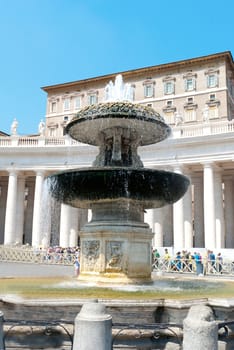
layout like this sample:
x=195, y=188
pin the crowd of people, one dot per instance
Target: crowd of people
x=182, y=261
x=186, y=261
x=70, y=254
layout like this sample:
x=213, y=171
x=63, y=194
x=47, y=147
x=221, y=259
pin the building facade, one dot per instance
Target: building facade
x=196, y=98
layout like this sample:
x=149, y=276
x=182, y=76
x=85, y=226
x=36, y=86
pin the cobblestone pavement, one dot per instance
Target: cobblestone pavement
x=11, y=269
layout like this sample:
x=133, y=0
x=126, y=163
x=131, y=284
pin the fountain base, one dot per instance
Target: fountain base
x=115, y=251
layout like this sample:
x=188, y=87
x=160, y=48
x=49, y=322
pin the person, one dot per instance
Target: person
x=77, y=267
x=166, y=259
x=211, y=259
x=198, y=261
x=205, y=258
x=156, y=257
x=219, y=263
x=178, y=264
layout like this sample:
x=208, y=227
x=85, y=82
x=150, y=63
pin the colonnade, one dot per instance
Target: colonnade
x=29, y=216
x=204, y=217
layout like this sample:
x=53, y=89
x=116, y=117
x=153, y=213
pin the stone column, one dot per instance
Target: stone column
x=30, y=185
x=209, y=207
x=229, y=210
x=3, y=201
x=158, y=227
x=89, y=217
x=200, y=329
x=178, y=221
x=168, y=225
x=20, y=210
x=188, y=219
x=93, y=328
x=10, y=220
x=68, y=226
x=37, y=210
x=219, y=210
x=198, y=212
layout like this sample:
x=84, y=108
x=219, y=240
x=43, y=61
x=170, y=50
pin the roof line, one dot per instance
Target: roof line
x=225, y=54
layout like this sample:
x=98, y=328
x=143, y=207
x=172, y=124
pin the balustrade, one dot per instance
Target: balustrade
x=36, y=256
x=183, y=130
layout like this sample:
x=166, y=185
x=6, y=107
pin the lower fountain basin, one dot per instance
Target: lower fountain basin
x=150, y=188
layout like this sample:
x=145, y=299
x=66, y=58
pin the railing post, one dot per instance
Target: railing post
x=200, y=329
x=2, y=347
x=93, y=328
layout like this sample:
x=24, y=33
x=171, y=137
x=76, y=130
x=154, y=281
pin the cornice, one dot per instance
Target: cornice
x=145, y=70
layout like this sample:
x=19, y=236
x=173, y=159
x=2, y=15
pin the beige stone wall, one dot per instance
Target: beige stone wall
x=176, y=73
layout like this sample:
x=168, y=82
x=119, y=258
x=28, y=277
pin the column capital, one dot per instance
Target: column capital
x=212, y=165
x=208, y=164
x=178, y=168
x=40, y=172
x=13, y=171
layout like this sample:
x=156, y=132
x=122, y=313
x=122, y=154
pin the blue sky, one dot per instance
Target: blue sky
x=46, y=42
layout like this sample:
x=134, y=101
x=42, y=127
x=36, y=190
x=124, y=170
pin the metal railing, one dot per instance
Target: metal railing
x=42, y=332
x=66, y=257
x=61, y=333
x=36, y=256
x=208, y=267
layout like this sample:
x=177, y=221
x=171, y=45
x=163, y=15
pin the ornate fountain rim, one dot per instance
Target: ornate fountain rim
x=89, y=121
x=117, y=108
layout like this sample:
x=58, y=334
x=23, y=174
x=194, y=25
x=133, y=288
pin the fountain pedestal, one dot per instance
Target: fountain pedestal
x=116, y=244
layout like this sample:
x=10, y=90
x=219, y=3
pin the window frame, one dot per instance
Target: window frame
x=148, y=90
x=66, y=104
x=92, y=99
x=209, y=78
x=77, y=105
x=190, y=84
x=169, y=91
x=53, y=107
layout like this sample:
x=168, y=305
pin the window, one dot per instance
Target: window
x=169, y=87
x=66, y=104
x=92, y=99
x=66, y=118
x=77, y=102
x=212, y=97
x=169, y=103
x=189, y=115
x=52, y=131
x=190, y=100
x=169, y=117
x=190, y=84
x=148, y=90
x=213, y=112
x=53, y=107
x=212, y=75
x=212, y=80
x=148, y=85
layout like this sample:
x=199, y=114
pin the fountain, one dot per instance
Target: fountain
x=116, y=243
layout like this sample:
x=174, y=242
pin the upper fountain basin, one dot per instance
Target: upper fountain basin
x=150, y=188
x=145, y=124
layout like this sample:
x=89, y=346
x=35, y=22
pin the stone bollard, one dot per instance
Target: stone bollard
x=200, y=329
x=2, y=347
x=93, y=328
